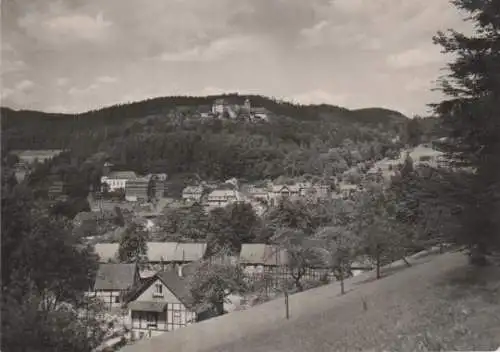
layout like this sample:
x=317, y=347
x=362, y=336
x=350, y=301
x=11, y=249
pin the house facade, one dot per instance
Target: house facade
x=220, y=198
x=137, y=189
x=257, y=193
x=161, y=304
x=56, y=190
x=279, y=192
x=33, y=156
x=259, y=260
x=117, y=179
x=192, y=194
x=113, y=282
x=219, y=107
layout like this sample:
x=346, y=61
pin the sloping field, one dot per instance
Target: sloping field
x=438, y=303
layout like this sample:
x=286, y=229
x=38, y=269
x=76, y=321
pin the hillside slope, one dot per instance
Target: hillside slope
x=401, y=308
x=54, y=130
x=167, y=135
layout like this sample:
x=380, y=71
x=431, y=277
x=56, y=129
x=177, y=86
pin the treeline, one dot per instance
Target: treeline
x=38, y=130
x=163, y=135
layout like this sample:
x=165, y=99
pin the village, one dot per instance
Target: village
x=152, y=297
x=280, y=176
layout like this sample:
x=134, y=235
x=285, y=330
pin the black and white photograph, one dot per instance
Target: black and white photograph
x=250, y=175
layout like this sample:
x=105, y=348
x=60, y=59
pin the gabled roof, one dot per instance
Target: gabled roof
x=177, y=285
x=175, y=251
x=278, y=188
x=122, y=175
x=262, y=254
x=291, y=188
x=115, y=276
x=158, y=251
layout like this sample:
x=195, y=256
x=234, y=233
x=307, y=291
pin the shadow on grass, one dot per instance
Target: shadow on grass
x=388, y=271
x=483, y=282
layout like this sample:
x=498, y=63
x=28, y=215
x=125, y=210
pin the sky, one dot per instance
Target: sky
x=77, y=55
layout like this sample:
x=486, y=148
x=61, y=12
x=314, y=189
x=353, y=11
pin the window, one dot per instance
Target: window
x=117, y=299
x=158, y=292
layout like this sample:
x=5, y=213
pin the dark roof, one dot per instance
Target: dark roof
x=189, y=269
x=115, y=276
x=262, y=254
x=177, y=285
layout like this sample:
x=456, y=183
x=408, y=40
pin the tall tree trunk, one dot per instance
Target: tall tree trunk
x=219, y=307
x=378, y=263
x=342, y=288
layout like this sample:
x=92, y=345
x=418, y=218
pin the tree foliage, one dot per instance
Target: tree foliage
x=133, y=244
x=302, y=253
x=342, y=242
x=212, y=283
x=160, y=135
x=232, y=226
x=45, y=272
x=470, y=116
x=384, y=237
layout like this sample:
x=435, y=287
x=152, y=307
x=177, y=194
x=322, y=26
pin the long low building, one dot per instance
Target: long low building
x=158, y=252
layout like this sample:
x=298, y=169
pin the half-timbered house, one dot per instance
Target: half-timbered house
x=114, y=281
x=160, y=305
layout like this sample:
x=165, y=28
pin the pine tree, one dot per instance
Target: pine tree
x=471, y=116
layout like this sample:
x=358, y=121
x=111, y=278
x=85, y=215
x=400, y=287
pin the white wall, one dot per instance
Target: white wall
x=114, y=184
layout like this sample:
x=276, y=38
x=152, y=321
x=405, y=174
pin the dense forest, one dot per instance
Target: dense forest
x=162, y=135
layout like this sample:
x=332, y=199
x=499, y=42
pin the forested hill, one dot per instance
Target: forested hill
x=164, y=135
x=60, y=128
